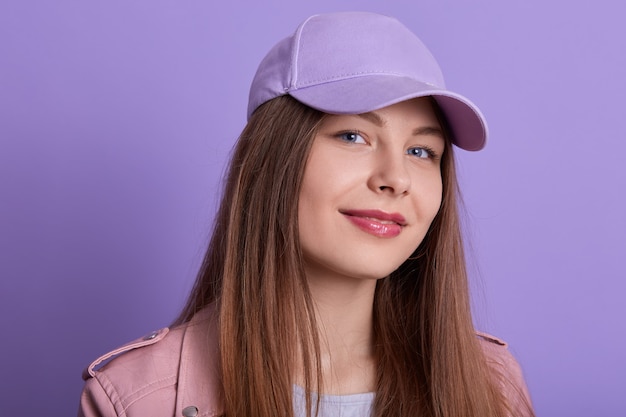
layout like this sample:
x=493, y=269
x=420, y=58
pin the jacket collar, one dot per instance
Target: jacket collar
x=199, y=375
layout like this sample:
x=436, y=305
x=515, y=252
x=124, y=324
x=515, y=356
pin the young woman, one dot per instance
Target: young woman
x=335, y=282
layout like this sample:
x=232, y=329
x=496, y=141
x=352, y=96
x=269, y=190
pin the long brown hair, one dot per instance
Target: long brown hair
x=429, y=361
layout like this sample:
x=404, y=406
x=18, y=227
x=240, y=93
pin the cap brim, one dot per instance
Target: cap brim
x=371, y=92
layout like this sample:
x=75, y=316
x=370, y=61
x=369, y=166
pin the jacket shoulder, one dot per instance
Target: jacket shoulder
x=173, y=371
x=147, y=340
x=486, y=337
x=145, y=369
x=508, y=372
x=497, y=354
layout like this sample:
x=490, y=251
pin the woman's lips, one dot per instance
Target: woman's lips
x=376, y=222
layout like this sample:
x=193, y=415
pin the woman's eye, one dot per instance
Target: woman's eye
x=352, y=137
x=420, y=152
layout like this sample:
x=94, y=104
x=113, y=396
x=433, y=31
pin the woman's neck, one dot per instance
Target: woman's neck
x=344, y=308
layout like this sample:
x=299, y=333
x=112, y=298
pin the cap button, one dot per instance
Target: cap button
x=151, y=336
x=191, y=411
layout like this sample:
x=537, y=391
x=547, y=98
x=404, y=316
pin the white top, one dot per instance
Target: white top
x=353, y=405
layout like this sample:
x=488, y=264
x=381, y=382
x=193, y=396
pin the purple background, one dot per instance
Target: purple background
x=116, y=118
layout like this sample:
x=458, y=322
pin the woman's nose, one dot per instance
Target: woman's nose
x=389, y=174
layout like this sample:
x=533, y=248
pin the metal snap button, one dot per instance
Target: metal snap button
x=191, y=411
x=151, y=336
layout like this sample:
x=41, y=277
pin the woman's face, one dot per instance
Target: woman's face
x=371, y=188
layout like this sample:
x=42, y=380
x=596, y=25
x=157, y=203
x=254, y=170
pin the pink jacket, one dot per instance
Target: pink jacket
x=175, y=372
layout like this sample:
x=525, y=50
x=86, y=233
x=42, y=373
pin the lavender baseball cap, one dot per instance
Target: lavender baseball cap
x=356, y=62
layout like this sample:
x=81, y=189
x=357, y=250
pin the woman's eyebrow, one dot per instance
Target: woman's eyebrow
x=428, y=130
x=373, y=118
x=376, y=119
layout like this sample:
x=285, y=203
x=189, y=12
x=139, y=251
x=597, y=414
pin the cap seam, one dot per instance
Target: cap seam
x=340, y=77
x=297, y=37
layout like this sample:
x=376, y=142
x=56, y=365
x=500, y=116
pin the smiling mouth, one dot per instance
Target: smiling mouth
x=377, y=215
x=376, y=222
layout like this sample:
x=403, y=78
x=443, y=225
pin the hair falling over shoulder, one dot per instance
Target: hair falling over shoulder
x=430, y=362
